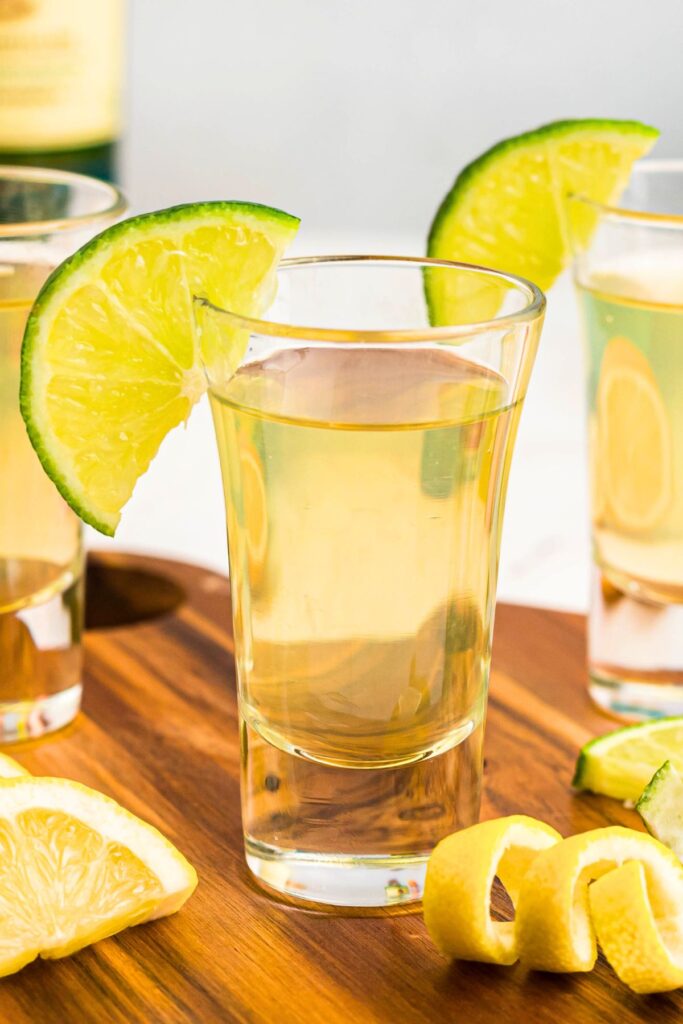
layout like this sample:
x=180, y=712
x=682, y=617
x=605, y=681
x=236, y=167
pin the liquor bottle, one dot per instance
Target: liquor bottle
x=61, y=71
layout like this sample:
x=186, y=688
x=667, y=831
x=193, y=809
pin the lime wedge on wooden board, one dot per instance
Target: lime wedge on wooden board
x=621, y=763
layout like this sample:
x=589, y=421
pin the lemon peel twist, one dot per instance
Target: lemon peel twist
x=615, y=886
x=639, y=929
x=461, y=870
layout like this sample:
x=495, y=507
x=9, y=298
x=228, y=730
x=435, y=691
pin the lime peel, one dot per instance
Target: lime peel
x=622, y=762
x=661, y=807
x=506, y=209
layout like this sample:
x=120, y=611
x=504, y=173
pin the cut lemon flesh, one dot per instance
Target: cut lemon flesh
x=635, y=439
x=76, y=867
x=11, y=769
x=111, y=358
x=507, y=209
x=621, y=763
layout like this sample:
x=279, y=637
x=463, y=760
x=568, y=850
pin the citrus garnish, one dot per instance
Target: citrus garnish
x=636, y=915
x=111, y=359
x=460, y=874
x=507, y=209
x=77, y=867
x=661, y=807
x=554, y=929
x=621, y=763
x=613, y=885
x=634, y=439
x=11, y=769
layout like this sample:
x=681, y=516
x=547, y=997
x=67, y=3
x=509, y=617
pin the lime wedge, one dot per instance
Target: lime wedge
x=110, y=361
x=661, y=807
x=507, y=209
x=621, y=763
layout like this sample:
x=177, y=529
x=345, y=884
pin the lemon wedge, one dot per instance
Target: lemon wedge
x=75, y=868
x=460, y=874
x=11, y=769
x=554, y=927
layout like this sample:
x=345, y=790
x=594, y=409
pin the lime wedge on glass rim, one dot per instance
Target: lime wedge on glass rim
x=622, y=763
x=507, y=209
x=110, y=361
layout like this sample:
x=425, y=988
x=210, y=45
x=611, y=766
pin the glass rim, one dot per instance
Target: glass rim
x=116, y=205
x=533, y=309
x=673, y=165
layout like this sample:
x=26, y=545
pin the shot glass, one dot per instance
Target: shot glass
x=365, y=455
x=44, y=216
x=629, y=282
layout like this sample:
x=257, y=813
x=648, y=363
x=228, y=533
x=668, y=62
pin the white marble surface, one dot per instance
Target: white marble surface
x=177, y=509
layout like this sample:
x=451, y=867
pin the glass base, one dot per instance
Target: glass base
x=633, y=700
x=24, y=720
x=635, y=653
x=338, y=880
x=352, y=837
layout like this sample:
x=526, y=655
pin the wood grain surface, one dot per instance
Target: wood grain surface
x=158, y=732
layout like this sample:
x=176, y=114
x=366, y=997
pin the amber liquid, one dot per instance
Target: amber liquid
x=638, y=543
x=364, y=491
x=40, y=553
x=633, y=315
x=363, y=547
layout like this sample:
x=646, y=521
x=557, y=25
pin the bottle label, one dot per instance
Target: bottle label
x=61, y=64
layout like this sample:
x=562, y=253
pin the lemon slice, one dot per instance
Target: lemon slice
x=507, y=209
x=621, y=763
x=554, y=927
x=11, y=769
x=77, y=867
x=460, y=874
x=637, y=920
x=111, y=357
x=634, y=439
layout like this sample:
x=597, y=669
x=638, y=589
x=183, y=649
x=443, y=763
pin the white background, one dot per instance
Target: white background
x=357, y=115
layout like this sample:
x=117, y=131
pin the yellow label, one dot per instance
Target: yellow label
x=60, y=73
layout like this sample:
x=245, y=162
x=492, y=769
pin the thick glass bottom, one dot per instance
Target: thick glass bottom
x=337, y=879
x=635, y=653
x=633, y=700
x=23, y=720
x=353, y=837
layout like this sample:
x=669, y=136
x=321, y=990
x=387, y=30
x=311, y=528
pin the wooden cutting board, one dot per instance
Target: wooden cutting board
x=159, y=733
